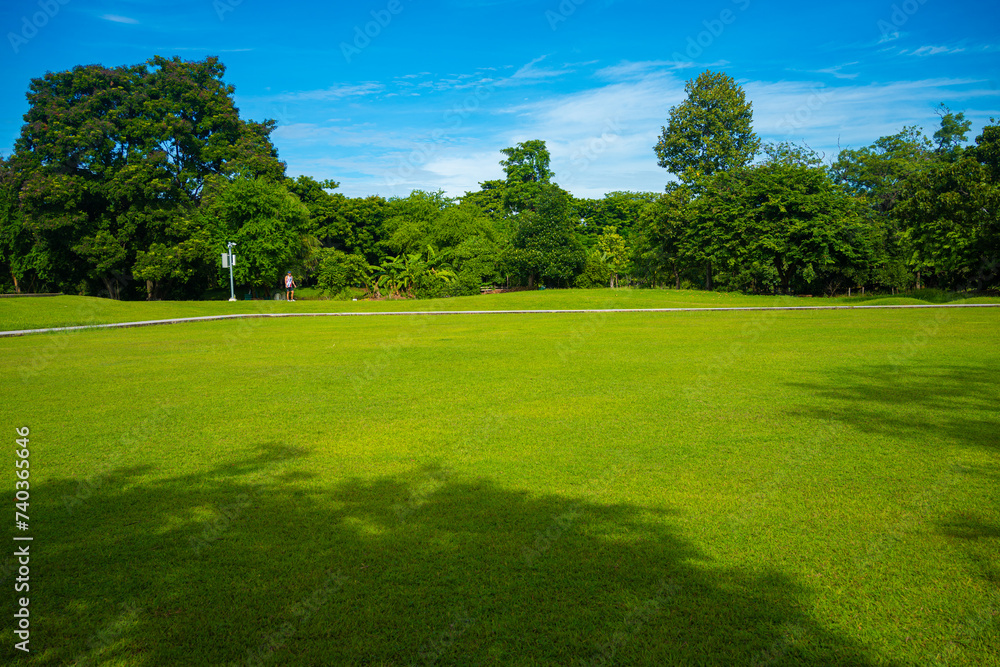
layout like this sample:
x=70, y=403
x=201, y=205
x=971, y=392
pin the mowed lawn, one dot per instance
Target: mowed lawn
x=765, y=488
x=61, y=311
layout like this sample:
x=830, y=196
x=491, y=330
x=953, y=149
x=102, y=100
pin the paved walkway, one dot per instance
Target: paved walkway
x=122, y=325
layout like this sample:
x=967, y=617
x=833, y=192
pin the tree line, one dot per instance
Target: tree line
x=127, y=182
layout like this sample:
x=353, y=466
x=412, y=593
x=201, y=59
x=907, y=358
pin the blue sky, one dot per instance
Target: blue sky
x=428, y=97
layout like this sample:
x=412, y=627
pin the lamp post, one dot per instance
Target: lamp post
x=231, y=260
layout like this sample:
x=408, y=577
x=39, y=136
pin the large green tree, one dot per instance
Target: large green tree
x=526, y=166
x=951, y=213
x=781, y=218
x=710, y=131
x=113, y=163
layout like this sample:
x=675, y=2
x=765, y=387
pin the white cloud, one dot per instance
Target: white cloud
x=119, y=19
x=333, y=92
x=836, y=71
x=531, y=72
x=602, y=139
x=852, y=115
x=934, y=50
x=628, y=70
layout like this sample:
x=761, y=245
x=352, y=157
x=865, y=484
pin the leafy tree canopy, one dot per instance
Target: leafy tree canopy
x=527, y=170
x=954, y=128
x=710, y=131
x=877, y=172
x=114, y=161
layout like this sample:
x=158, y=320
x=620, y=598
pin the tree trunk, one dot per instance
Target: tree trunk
x=17, y=288
x=708, y=275
x=677, y=276
x=112, y=286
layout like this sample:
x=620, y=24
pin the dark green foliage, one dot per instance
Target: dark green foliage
x=785, y=216
x=127, y=182
x=663, y=242
x=617, y=209
x=112, y=165
x=489, y=199
x=411, y=223
x=543, y=247
x=987, y=150
x=596, y=272
x=878, y=172
x=339, y=271
x=269, y=225
x=952, y=215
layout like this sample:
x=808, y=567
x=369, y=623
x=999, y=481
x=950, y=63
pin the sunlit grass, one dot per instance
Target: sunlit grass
x=42, y=312
x=685, y=488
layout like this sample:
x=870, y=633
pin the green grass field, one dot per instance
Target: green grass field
x=750, y=488
x=36, y=313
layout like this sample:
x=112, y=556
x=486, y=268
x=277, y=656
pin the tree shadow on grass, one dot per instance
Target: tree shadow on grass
x=255, y=563
x=952, y=402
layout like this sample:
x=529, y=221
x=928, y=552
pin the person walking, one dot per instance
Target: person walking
x=290, y=286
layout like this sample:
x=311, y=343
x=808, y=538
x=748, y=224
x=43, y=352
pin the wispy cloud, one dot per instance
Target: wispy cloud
x=601, y=138
x=932, y=50
x=530, y=71
x=119, y=19
x=629, y=70
x=837, y=71
x=333, y=92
